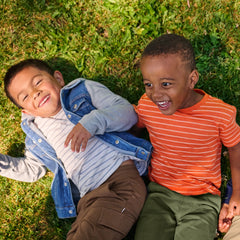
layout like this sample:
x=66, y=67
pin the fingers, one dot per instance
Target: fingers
x=225, y=225
x=78, y=137
x=78, y=144
x=68, y=139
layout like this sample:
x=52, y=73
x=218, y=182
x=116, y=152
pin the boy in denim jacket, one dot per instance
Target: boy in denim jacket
x=76, y=131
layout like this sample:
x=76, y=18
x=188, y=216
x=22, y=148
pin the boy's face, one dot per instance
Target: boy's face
x=37, y=92
x=169, y=83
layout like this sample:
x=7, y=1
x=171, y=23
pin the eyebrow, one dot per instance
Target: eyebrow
x=37, y=75
x=163, y=78
x=166, y=78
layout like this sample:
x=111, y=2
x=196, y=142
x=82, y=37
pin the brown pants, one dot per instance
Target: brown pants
x=109, y=212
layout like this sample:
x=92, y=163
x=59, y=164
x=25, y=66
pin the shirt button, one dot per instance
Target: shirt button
x=39, y=140
x=75, y=106
x=70, y=211
x=69, y=116
x=117, y=141
x=143, y=152
x=65, y=184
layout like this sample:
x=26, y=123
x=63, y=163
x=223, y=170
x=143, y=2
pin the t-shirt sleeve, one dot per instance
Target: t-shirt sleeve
x=230, y=131
x=137, y=109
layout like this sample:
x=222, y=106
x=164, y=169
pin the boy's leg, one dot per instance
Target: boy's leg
x=234, y=231
x=167, y=215
x=157, y=220
x=109, y=212
x=199, y=217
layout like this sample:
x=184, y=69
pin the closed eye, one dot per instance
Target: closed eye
x=38, y=82
x=25, y=98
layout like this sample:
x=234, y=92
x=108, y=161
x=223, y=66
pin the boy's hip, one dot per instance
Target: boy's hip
x=177, y=200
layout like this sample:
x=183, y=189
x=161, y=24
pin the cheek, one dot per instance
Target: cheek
x=148, y=91
x=149, y=95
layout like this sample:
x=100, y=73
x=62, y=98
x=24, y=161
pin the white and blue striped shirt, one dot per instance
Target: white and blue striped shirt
x=88, y=169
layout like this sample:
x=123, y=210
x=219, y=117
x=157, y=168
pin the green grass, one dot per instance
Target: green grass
x=102, y=40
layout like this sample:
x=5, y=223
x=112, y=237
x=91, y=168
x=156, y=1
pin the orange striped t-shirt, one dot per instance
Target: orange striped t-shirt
x=187, y=145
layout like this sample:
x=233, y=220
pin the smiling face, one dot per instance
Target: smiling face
x=37, y=92
x=169, y=82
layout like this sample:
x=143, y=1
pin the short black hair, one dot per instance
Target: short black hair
x=15, y=69
x=172, y=44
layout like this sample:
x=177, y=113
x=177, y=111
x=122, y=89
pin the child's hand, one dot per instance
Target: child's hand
x=234, y=205
x=224, y=223
x=79, y=137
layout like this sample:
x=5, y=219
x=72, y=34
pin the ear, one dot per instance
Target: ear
x=193, y=78
x=59, y=77
x=26, y=112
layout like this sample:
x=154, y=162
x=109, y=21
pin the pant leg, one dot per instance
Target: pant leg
x=157, y=220
x=199, y=217
x=234, y=231
x=168, y=215
x=109, y=212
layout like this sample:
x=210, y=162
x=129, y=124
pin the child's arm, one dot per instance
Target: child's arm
x=112, y=113
x=25, y=169
x=224, y=223
x=234, y=204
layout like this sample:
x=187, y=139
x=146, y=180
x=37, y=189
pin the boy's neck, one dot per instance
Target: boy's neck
x=196, y=97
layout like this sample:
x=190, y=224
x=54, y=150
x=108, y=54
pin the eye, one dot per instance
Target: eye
x=38, y=82
x=148, y=85
x=24, y=98
x=166, y=84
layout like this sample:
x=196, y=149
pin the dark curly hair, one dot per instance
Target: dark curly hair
x=15, y=69
x=172, y=44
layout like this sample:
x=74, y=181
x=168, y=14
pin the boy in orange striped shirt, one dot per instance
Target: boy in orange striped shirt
x=187, y=128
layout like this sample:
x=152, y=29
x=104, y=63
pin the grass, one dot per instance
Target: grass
x=102, y=40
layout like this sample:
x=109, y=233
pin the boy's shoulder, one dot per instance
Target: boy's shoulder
x=219, y=104
x=144, y=99
x=74, y=83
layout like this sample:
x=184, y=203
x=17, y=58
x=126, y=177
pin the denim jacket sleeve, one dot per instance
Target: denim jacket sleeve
x=112, y=113
x=25, y=169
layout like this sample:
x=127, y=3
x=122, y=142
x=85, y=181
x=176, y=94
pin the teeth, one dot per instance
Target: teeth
x=44, y=100
x=163, y=103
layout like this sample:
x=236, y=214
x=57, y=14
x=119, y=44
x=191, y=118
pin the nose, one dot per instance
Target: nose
x=35, y=93
x=157, y=92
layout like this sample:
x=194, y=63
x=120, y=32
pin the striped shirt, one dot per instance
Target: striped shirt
x=187, y=145
x=88, y=169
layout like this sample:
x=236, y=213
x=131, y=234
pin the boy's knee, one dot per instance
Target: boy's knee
x=81, y=231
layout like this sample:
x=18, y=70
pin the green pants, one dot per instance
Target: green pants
x=168, y=215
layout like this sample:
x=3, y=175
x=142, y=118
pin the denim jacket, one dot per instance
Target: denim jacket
x=76, y=103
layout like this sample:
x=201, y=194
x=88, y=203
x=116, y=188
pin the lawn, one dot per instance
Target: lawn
x=103, y=40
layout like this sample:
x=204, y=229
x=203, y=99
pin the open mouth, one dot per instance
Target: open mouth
x=44, y=100
x=163, y=105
